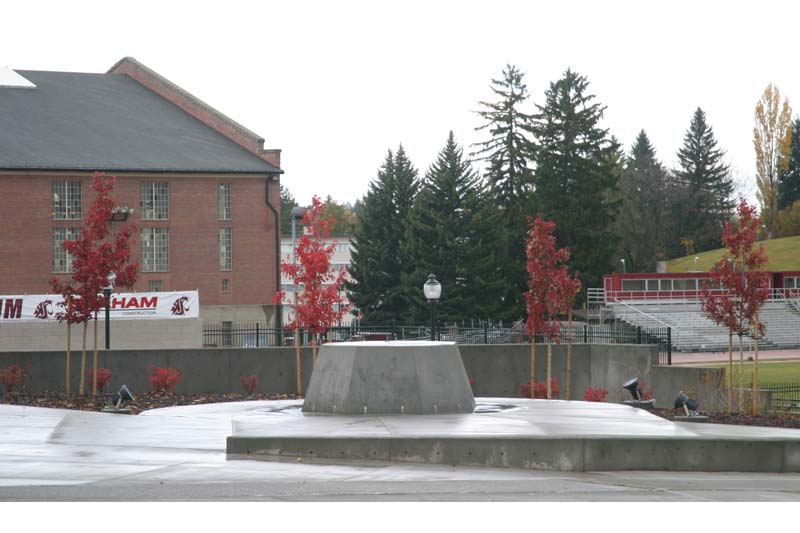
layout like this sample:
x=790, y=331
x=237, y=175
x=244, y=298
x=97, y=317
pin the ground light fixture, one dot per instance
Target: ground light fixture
x=689, y=405
x=117, y=401
x=632, y=385
x=432, y=290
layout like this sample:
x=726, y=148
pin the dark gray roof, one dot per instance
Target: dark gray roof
x=109, y=122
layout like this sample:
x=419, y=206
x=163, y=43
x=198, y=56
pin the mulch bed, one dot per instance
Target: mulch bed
x=144, y=402
x=774, y=420
x=150, y=400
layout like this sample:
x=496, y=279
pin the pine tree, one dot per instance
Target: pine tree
x=789, y=182
x=644, y=222
x=509, y=152
x=377, y=261
x=453, y=232
x=707, y=185
x=287, y=203
x=509, y=155
x=578, y=167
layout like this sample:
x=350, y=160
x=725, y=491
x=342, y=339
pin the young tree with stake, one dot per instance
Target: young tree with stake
x=96, y=253
x=319, y=305
x=739, y=287
x=551, y=290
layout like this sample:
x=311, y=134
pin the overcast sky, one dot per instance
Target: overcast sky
x=336, y=84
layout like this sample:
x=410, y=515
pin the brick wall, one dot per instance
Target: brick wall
x=26, y=238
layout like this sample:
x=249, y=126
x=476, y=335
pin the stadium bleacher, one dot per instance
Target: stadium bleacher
x=692, y=331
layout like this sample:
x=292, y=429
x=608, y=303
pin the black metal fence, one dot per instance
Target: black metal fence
x=785, y=395
x=258, y=335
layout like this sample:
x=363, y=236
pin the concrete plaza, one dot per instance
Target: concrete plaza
x=178, y=454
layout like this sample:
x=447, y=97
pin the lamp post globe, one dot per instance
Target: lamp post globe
x=432, y=291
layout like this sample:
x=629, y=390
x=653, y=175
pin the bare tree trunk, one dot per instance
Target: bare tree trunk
x=69, y=355
x=755, y=373
x=730, y=370
x=94, y=361
x=569, y=354
x=298, y=361
x=741, y=375
x=533, y=361
x=314, y=350
x=81, y=387
x=549, y=370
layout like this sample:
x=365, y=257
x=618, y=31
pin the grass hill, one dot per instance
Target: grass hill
x=783, y=254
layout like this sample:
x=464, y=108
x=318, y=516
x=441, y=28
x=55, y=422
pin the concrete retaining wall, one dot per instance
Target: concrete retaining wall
x=499, y=370
x=125, y=335
x=707, y=385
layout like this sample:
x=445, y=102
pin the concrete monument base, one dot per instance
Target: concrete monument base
x=400, y=377
x=518, y=433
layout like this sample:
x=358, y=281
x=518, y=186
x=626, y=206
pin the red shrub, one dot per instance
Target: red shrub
x=164, y=379
x=645, y=392
x=13, y=376
x=539, y=389
x=249, y=383
x=103, y=377
x=594, y=395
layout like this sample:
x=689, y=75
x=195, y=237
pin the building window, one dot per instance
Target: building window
x=684, y=284
x=155, y=201
x=62, y=261
x=226, y=285
x=155, y=249
x=633, y=284
x=225, y=249
x=155, y=285
x=286, y=248
x=224, y=201
x=67, y=200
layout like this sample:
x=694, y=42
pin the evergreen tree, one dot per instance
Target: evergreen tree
x=287, y=203
x=377, y=262
x=708, y=187
x=454, y=233
x=578, y=167
x=509, y=156
x=644, y=222
x=789, y=182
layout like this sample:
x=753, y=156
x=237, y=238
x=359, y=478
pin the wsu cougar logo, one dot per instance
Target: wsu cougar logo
x=43, y=310
x=180, y=307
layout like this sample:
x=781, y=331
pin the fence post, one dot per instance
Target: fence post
x=669, y=345
x=638, y=334
x=394, y=332
x=257, y=335
x=485, y=334
x=585, y=334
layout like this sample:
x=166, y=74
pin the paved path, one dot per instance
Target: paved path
x=679, y=358
x=178, y=454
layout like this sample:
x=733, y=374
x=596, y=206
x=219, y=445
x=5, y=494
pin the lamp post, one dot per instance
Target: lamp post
x=112, y=277
x=432, y=290
x=623, y=265
x=297, y=214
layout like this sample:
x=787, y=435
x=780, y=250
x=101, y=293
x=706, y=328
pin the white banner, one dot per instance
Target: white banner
x=125, y=305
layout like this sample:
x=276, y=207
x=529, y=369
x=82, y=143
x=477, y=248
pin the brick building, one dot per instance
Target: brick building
x=204, y=192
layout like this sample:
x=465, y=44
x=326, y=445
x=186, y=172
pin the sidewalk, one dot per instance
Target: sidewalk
x=693, y=358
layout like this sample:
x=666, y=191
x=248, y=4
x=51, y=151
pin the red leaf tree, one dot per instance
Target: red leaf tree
x=739, y=287
x=551, y=291
x=320, y=304
x=96, y=253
